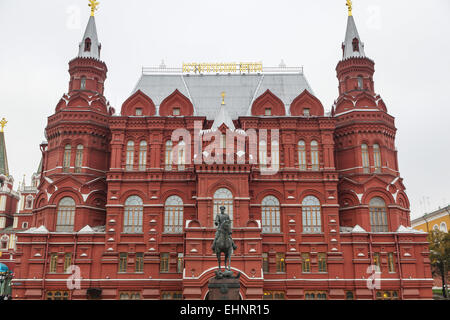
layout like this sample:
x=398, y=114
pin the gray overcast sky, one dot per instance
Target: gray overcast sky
x=409, y=40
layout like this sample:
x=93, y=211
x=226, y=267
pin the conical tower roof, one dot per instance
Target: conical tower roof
x=39, y=170
x=352, y=45
x=223, y=117
x=4, y=170
x=90, y=46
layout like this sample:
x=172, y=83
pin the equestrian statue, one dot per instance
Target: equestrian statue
x=223, y=241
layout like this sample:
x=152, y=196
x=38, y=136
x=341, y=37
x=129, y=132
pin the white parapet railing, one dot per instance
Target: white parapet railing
x=202, y=69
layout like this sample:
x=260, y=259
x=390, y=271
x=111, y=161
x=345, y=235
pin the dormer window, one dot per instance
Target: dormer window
x=268, y=112
x=176, y=112
x=306, y=112
x=87, y=45
x=355, y=44
x=138, y=112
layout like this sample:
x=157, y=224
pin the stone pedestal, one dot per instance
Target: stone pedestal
x=224, y=287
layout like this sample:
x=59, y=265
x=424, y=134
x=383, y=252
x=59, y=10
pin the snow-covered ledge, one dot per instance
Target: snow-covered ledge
x=358, y=229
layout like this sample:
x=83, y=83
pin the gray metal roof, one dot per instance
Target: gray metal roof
x=204, y=90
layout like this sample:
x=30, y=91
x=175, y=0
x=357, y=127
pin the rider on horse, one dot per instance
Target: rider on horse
x=220, y=218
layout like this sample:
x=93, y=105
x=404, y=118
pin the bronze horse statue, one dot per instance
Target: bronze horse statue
x=223, y=241
x=224, y=244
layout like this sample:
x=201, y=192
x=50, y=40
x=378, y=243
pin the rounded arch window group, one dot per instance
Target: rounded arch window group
x=302, y=155
x=311, y=213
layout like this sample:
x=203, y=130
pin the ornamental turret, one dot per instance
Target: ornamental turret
x=77, y=151
x=87, y=71
x=366, y=157
x=355, y=70
x=8, y=197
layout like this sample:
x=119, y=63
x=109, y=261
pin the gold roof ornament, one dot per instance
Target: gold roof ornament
x=349, y=5
x=3, y=123
x=93, y=4
x=223, y=98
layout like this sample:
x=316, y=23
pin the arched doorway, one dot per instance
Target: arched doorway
x=207, y=296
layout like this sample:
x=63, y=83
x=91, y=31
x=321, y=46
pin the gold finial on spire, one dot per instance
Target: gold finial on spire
x=3, y=124
x=93, y=4
x=349, y=5
x=223, y=98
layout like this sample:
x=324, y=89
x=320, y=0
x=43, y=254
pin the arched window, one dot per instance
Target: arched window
x=443, y=227
x=83, y=83
x=360, y=83
x=376, y=157
x=87, y=45
x=436, y=227
x=270, y=215
x=130, y=155
x=223, y=197
x=262, y=154
x=275, y=154
x=52, y=269
x=132, y=220
x=365, y=158
x=66, y=160
x=181, y=155
x=79, y=158
x=302, y=155
x=173, y=215
x=142, y=155
x=168, y=158
x=29, y=202
x=314, y=155
x=66, y=215
x=311, y=218
x=378, y=216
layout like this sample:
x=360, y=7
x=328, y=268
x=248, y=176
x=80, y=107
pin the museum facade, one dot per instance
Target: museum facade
x=125, y=203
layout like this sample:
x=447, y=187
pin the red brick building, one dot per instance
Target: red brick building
x=130, y=198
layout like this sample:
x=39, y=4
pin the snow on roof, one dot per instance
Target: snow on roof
x=41, y=229
x=86, y=229
x=403, y=229
x=358, y=229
